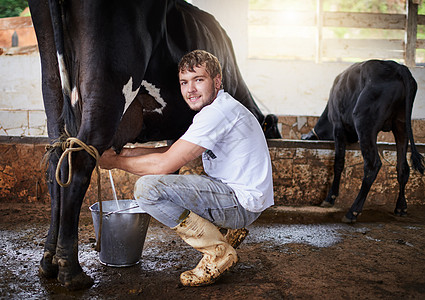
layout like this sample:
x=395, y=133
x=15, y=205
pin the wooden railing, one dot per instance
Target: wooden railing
x=318, y=47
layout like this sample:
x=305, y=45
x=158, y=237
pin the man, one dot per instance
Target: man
x=235, y=158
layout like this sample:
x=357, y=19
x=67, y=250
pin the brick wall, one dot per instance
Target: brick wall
x=292, y=127
x=302, y=174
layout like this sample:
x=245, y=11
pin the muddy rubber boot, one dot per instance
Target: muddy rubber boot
x=205, y=237
x=236, y=236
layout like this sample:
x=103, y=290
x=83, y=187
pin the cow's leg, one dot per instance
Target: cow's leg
x=338, y=167
x=372, y=165
x=97, y=133
x=53, y=103
x=48, y=264
x=70, y=272
x=403, y=170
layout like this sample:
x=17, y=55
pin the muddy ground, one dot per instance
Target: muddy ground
x=302, y=253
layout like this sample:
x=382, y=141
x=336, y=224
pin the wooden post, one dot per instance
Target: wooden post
x=15, y=39
x=319, y=27
x=410, y=34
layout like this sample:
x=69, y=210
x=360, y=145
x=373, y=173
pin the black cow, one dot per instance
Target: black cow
x=366, y=98
x=109, y=76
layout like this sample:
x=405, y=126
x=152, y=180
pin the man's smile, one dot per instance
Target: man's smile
x=194, y=98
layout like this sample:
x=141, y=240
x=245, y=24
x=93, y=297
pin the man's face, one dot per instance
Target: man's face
x=198, y=88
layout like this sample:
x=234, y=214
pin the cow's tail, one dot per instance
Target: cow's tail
x=411, y=87
x=68, y=116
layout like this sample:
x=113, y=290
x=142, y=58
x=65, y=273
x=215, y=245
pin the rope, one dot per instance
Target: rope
x=68, y=148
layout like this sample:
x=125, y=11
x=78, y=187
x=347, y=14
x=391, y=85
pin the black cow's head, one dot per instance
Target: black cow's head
x=270, y=128
x=323, y=130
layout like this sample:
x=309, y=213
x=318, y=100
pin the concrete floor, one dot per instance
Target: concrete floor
x=290, y=253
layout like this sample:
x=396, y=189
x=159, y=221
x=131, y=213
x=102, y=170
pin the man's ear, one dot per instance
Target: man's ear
x=217, y=81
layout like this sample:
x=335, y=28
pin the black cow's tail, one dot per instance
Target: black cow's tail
x=411, y=87
x=67, y=112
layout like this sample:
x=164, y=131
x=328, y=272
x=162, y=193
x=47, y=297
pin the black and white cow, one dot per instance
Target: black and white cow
x=109, y=76
x=366, y=98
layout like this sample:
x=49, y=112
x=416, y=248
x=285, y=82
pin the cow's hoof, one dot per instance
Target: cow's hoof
x=78, y=282
x=48, y=267
x=72, y=281
x=326, y=204
x=400, y=212
x=347, y=220
x=350, y=217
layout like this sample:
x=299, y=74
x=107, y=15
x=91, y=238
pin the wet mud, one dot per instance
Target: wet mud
x=290, y=253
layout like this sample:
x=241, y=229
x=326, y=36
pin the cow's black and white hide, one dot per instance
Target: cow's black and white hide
x=109, y=76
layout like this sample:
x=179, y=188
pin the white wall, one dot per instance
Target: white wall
x=21, y=102
x=286, y=87
x=280, y=87
x=234, y=19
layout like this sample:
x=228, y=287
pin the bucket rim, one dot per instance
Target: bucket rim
x=93, y=208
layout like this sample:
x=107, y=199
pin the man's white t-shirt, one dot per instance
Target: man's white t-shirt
x=237, y=152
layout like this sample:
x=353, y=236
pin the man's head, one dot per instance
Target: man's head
x=200, y=78
x=197, y=58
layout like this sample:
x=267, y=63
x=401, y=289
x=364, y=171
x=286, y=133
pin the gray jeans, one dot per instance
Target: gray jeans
x=168, y=198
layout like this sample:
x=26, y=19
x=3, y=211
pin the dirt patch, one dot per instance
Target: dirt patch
x=290, y=253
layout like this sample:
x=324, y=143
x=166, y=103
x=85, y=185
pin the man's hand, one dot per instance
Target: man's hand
x=150, y=161
x=108, y=159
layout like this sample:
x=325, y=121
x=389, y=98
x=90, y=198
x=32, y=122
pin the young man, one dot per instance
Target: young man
x=235, y=158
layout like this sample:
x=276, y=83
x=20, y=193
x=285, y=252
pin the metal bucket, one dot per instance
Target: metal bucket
x=123, y=232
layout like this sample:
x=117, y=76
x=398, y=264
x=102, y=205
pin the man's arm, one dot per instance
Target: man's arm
x=141, y=150
x=163, y=160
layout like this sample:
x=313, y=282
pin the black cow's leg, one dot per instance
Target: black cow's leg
x=53, y=103
x=70, y=272
x=403, y=170
x=372, y=165
x=338, y=167
x=48, y=264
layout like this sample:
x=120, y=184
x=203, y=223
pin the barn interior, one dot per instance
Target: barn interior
x=289, y=55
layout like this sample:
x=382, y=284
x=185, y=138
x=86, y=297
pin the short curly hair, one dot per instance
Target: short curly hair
x=197, y=58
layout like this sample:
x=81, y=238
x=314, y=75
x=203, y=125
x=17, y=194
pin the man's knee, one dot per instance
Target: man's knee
x=147, y=189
